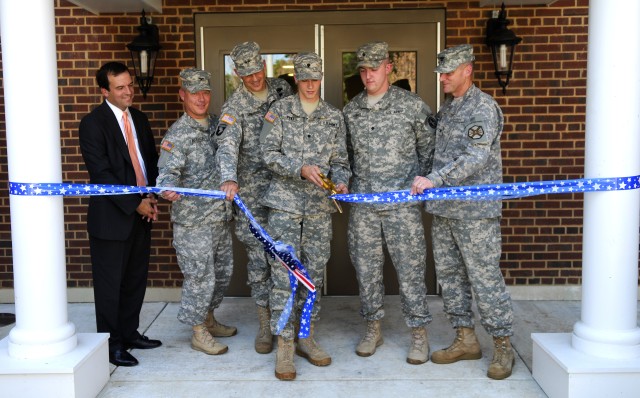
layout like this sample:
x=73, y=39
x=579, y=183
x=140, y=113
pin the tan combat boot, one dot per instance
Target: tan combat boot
x=264, y=339
x=285, y=370
x=203, y=341
x=309, y=348
x=371, y=340
x=419, y=350
x=465, y=346
x=503, y=359
x=217, y=329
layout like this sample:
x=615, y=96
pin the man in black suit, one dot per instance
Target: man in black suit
x=119, y=226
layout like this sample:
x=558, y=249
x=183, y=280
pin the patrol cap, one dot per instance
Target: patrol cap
x=307, y=66
x=372, y=54
x=194, y=80
x=452, y=57
x=246, y=58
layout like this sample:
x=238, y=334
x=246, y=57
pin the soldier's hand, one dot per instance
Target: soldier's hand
x=342, y=188
x=312, y=173
x=420, y=184
x=230, y=188
x=171, y=196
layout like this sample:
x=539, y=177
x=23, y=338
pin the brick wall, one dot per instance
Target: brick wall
x=543, y=138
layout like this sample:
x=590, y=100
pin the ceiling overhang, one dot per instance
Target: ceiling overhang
x=119, y=6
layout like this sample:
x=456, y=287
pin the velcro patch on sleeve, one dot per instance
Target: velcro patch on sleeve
x=270, y=117
x=167, y=145
x=228, y=119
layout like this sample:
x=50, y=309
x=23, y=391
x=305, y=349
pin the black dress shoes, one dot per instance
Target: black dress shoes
x=121, y=357
x=142, y=343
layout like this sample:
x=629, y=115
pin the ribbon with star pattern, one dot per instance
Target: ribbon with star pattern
x=498, y=191
x=277, y=250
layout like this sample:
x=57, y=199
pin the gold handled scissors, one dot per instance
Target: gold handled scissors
x=331, y=187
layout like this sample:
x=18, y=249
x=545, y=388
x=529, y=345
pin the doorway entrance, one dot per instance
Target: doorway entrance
x=414, y=38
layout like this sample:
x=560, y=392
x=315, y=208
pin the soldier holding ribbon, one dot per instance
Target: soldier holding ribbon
x=466, y=234
x=242, y=168
x=201, y=233
x=389, y=138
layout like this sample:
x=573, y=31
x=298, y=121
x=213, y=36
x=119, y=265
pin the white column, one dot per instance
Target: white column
x=609, y=327
x=602, y=355
x=42, y=353
x=33, y=148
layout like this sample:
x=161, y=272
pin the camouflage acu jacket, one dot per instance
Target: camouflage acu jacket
x=290, y=139
x=389, y=143
x=238, y=137
x=467, y=152
x=187, y=157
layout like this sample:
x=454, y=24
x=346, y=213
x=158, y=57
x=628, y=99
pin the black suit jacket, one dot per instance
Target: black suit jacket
x=106, y=156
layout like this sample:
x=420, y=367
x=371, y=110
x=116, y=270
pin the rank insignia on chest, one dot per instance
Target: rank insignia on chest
x=167, y=146
x=270, y=117
x=475, y=132
x=228, y=119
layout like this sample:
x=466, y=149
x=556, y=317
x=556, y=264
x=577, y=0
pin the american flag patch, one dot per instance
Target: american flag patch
x=270, y=117
x=167, y=146
x=228, y=119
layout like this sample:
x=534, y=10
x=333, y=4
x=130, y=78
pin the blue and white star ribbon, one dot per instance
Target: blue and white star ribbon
x=277, y=250
x=498, y=191
x=285, y=254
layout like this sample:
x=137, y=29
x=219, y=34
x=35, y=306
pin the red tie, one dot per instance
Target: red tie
x=133, y=153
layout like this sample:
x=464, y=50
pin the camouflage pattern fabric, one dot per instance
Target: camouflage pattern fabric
x=205, y=257
x=187, y=157
x=310, y=236
x=201, y=235
x=239, y=159
x=389, y=144
x=467, y=152
x=290, y=139
x=401, y=231
x=479, y=243
x=300, y=211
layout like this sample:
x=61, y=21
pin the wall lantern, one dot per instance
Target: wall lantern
x=144, y=51
x=502, y=42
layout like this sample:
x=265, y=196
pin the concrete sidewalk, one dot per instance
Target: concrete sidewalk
x=175, y=370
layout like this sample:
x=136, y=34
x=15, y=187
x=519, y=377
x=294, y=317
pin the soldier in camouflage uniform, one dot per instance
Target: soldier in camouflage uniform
x=389, y=137
x=466, y=234
x=302, y=138
x=242, y=168
x=201, y=233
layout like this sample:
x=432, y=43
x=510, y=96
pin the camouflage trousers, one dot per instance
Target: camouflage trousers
x=205, y=258
x=258, y=269
x=310, y=236
x=402, y=232
x=467, y=257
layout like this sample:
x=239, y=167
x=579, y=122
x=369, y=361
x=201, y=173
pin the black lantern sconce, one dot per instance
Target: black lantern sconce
x=144, y=52
x=502, y=42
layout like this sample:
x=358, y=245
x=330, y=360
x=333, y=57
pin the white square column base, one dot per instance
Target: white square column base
x=82, y=372
x=563, y=372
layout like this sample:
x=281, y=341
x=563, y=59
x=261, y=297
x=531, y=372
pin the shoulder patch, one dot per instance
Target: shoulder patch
x=167, y=145
x=270, y=117
x=228, y=119
x=220, y=129
x=475, y=132
x=432, y=122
